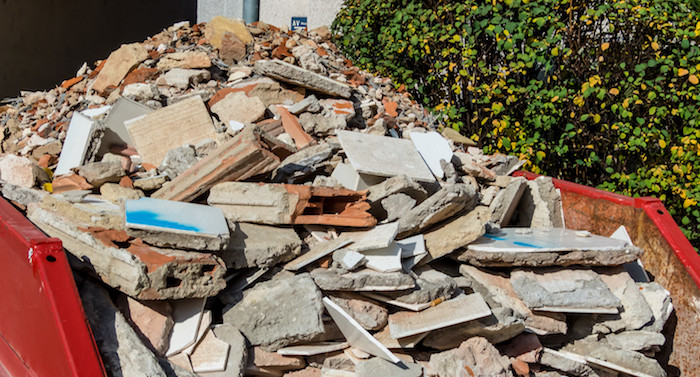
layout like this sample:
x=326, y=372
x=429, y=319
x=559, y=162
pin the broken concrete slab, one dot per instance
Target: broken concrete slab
x=187, y=121
x=639, y=341
x=431, y=285
x=378, y=367
x=76, y=147
x=316, y=252
x=384, y=156
x=291, y=204
x=352, y=180
x=400, y=184
x=187, y=317
x=119, y=63
x=503, y=324
x=659, y=300
x=498, y=292
x=433, y=148
x=116, y=134
x=260, y=246
x=365, y=280
x=540, y=205
x=22, y=195
x=635, y=312
x=356, y=335
x=309, y=104
x=210, y=354
x=457, y=233
x=367, y=314
x=322, y=125
x=292, y=74
x=564, y=290
x=160, y=223
x=460, y=309
x=141, y=271
x=176, y=161
x=303, y=162
x=397, y=206
x=547, y=247
x=251, y=152
x=505, y=203
x=440, y=206
x=183, y=78
x=604, y=356
x=475, y=355
x=313, y=349
x=90, y=212
x=122, y=351
x=152, y=320
x=239, y=107
x=263, y=313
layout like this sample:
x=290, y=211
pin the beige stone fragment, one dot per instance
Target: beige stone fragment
x=118, y=65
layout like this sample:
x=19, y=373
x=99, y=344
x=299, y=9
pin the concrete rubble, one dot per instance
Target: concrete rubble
x=240, y=200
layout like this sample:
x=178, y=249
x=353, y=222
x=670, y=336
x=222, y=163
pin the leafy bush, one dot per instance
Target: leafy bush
x=598, y=92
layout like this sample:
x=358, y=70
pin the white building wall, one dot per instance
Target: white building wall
x=274, y=12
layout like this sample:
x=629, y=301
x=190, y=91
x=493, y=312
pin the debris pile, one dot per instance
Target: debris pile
x=240, y=200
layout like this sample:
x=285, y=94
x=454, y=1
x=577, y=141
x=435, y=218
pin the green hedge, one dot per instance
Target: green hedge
x=603, y=93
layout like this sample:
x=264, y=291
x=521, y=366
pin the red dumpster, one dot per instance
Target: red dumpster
x=44, y=332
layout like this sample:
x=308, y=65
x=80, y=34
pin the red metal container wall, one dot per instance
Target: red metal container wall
x=43, y=329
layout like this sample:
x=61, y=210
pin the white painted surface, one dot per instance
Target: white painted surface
x=280, y=12
x=356, y=335
x=514, y=240
x=433, y=148
x=386, y=259
x=173, y=216
x=75, y=145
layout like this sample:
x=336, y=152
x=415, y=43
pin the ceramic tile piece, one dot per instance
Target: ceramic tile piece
x=313, y=349
x=186, y=314
x=384, y=156
x=350, y=179
x=384, y=337
x=376, y=238
x=210, y=355
x=167, y=215
x=76, y=144
x=386, y=259
x=460, y=309
x=355, y=334
x=397, y=303
x=433, y=148
x=516, y=240
x=316, y=252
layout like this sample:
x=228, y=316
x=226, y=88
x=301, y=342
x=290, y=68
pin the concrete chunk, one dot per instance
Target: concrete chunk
x=99, y=173
x=566, y=362
x=475, y=355
x=504, y=205
x=255, y=245
x=240, y=108
x=547, y=247
x=623, y=361
x=498, y=292
x=564, y=290
x=292, y=74
x=639, y=341
x=160, y=223
x=365, y=280
x=457, y=233
x=540, y=205
x=367, y=314
x=269, y=314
